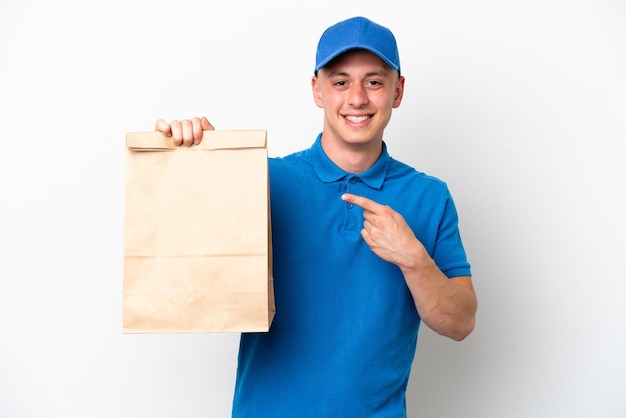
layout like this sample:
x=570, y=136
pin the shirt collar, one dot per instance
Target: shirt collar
x=329, y=172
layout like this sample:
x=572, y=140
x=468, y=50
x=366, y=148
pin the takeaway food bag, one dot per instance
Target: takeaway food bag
x=197, y=234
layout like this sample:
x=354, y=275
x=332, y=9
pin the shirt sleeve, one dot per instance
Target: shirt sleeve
x=449, y=253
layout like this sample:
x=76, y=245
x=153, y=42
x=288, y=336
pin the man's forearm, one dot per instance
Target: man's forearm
x=447, y=306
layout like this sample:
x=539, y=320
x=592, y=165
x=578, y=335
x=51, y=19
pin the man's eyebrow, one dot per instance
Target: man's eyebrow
x=381, y=73
x=333, y=73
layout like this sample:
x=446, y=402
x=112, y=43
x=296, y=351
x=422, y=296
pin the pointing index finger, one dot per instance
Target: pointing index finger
x=361, y=201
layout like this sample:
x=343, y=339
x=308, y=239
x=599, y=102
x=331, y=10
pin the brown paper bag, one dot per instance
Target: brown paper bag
x=197, y=236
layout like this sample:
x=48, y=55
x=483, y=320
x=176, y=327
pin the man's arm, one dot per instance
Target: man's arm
x=447, y=305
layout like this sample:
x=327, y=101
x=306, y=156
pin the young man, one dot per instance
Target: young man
x=365, y=247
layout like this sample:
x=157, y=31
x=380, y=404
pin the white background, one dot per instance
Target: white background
x=519, y=105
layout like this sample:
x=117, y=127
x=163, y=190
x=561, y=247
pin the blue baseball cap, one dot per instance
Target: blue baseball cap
x=357, y=33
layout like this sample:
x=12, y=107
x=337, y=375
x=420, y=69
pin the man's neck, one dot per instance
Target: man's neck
x=352, y=158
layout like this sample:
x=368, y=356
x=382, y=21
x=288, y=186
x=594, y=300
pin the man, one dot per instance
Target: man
x=365, y=247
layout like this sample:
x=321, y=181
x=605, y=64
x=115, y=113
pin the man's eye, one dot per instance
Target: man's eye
x=340, y=83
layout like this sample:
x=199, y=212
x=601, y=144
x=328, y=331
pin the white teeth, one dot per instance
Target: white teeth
x=357, y=119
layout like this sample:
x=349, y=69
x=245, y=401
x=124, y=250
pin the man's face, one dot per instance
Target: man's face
x=357, y=91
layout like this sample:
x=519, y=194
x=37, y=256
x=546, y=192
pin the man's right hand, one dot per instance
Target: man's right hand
x=187, y=132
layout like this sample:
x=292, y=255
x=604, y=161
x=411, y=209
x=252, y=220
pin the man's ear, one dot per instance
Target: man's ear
x=317, y=92
x=399, y=92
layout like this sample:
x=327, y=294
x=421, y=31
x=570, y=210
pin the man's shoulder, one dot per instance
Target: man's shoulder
x=289, y=161
x=400, y=171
